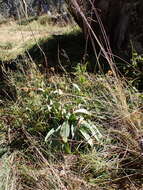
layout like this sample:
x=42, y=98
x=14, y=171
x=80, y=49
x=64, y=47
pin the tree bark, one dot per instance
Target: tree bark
x=122, y=21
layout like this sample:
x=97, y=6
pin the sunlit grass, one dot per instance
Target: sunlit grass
x=16, y=39
x=63, y=132
x=56, y=102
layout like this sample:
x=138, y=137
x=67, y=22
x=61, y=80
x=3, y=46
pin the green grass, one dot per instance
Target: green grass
x=65, y=128
x=18, y=37
x=84, y=128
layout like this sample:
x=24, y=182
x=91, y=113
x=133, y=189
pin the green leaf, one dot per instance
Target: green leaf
x=49, y=134
x=82, y=111
x=67, y=148
x=72, y=118
x=95, y=133
x=86, y=136
x=76, y=87
x=65, y=131
x=72, y=130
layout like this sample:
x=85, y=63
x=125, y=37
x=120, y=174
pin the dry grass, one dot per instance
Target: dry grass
x=15, y=38
x=117, y=108
x=116, y=161
x=18, y=172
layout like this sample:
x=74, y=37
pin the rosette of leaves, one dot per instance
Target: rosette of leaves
x=75, y=130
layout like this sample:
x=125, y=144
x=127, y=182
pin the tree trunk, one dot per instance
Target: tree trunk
x=122, y=21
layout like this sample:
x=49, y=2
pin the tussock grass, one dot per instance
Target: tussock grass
x=62, y=132
x=87, y=99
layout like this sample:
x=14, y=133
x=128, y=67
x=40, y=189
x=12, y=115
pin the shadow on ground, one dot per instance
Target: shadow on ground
x=61, y=53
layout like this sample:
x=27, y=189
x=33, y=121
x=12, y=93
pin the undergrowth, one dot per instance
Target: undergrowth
x=62, y=132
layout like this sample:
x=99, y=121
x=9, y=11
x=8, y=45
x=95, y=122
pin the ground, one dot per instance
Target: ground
x=65, y=130
x=16, y=38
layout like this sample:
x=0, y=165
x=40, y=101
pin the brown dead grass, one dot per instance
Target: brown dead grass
x=15, y=39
